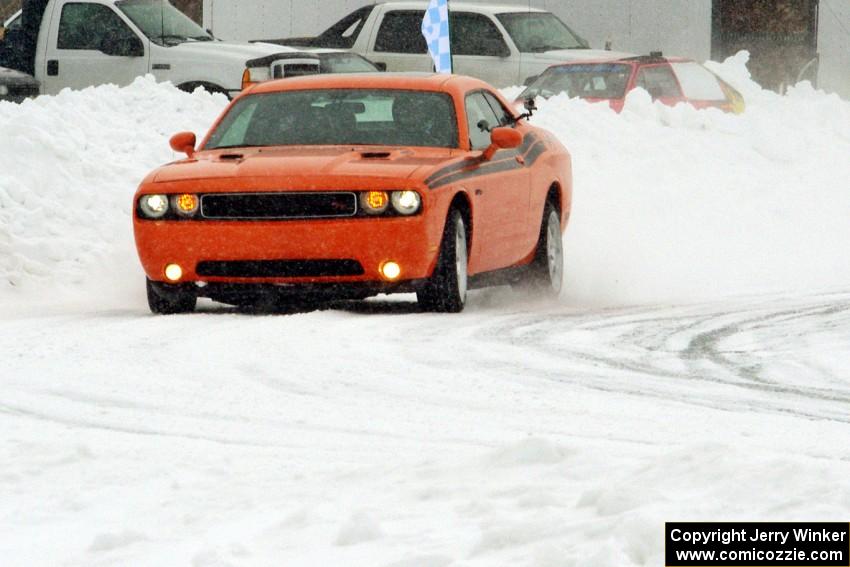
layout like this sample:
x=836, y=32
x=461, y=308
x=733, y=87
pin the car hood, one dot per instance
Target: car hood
x=233, y=50
x=561, y=55
x=303, y=164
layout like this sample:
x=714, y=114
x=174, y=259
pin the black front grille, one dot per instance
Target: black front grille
x=280, y=268
x=278, y=206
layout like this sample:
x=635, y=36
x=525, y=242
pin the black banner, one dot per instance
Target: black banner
x=749, y=544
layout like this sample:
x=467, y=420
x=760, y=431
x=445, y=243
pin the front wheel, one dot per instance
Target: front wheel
x=165, y=299
x=446, y=291
x=546, y=273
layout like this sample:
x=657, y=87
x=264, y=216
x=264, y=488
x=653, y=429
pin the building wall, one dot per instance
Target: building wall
x=834, y=46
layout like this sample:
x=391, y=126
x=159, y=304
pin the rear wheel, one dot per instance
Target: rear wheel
x=546, y=273
x=165, y=299
x=446, y=291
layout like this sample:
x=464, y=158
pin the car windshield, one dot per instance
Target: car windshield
x=606, y=81
x=350, y=117
x=162, y=23
x=347, y=63
x=537, y=32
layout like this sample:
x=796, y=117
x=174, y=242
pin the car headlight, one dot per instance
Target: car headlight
x=4, y=90
x=154, y=206
x=186, y=205
x=374, y=202
x=406, y=202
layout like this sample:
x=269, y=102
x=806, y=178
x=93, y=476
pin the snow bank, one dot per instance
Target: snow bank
x=679, y=204
x=69, y=166
x=671, y=204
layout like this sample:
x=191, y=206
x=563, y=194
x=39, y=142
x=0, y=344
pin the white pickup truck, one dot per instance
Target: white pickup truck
x=83, y=43
x=503, y=45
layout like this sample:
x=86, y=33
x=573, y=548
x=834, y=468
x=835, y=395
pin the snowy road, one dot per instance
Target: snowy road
x=513, y=434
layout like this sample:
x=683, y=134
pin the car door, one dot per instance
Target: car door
x=399, y=43
x=91, y=44
x=479, y=50
x=500, y=188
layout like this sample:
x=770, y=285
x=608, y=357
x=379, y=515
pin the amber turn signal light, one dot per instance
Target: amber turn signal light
x=374, y=202
x=186, y=204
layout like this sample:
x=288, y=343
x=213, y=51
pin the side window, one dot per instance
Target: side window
x=480, y=120
x=698, y=83
x=401, y=32
x=476, y=34
x=88, y=26
x=345, y=32
x=502, y=115
x=659, y=81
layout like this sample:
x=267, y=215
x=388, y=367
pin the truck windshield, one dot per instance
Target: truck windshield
x=605, y=81
x=161, y=22
x=537, y=32
x=347, y=117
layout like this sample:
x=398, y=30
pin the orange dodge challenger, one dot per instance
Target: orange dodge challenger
x=348, y=186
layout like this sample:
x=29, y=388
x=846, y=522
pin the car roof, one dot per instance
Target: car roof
x=466, y=6
x=637, y=60
x=432, y=82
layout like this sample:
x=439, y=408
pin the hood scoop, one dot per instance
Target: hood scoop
x=375, y=155
x=231, y=157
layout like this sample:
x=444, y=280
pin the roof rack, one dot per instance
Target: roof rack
x=653, y=57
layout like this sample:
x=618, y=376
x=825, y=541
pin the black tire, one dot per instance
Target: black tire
x=165, y=299
x=446, y=291
x=546, y=273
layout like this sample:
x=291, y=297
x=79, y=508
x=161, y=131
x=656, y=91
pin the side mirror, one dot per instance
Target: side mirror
x=502, y=138
x=382, y=67
x=184, y=143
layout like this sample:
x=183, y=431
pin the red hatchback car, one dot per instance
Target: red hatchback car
x=668, y=80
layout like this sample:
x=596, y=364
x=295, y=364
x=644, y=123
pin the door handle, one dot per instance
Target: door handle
x=53, y=68
x=520, y=160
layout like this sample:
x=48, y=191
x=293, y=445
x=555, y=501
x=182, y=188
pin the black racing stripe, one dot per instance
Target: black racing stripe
x=527, y=143
x=538, y=150
x=473, y=165
x=489, y=169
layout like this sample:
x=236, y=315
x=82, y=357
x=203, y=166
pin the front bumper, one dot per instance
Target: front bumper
x=411, y=242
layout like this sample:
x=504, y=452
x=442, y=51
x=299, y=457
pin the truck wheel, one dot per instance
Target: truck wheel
x=165, y=299
x=546, y=272
x=446, y=291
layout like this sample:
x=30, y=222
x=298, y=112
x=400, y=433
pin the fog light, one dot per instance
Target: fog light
x=391, y=271
x=173, y=272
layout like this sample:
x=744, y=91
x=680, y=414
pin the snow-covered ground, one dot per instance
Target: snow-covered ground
x=696, y=368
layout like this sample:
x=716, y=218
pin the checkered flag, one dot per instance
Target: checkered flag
x=435, y=28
